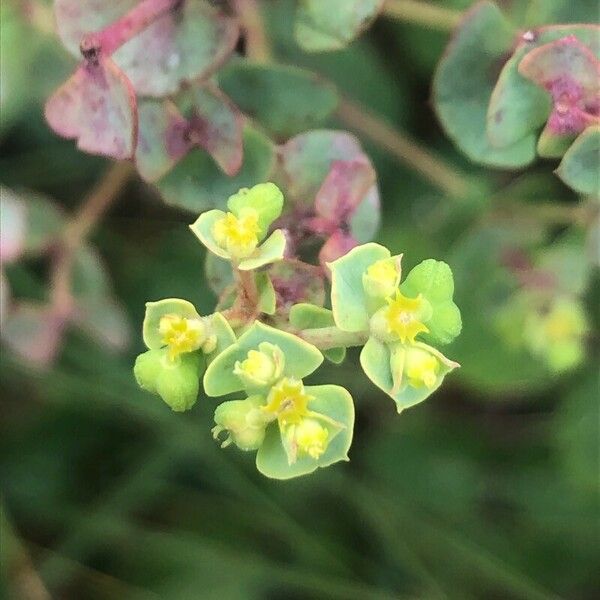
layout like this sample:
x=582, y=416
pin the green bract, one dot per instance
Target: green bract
x=178, y=339
x=367, y=296
x=239, y=235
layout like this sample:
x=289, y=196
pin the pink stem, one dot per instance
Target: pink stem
x=112, y=37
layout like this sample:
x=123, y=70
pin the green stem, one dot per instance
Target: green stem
x=325, y=338
x=422, y=13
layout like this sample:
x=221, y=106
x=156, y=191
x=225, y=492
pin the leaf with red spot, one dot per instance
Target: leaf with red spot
x=189, y=41
x=570, y=72
x=96, y=106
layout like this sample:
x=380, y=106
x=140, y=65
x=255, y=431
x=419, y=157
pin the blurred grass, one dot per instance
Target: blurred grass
x=106, y=494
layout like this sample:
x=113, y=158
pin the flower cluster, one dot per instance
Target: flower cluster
x=367, y=297
x=296, y=428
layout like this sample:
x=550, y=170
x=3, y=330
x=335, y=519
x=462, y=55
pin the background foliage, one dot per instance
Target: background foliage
x=487, y=490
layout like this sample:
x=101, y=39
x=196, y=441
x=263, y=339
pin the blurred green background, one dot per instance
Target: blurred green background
x=487, y=490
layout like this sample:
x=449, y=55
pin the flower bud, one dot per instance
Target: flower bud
x=175, y=381
x=382, y=278
x=311, y=438
x=244, y=422
x=414, y=366
x=262, y=367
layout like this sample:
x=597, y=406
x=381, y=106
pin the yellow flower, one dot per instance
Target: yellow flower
x=238, y=235
x=288, y=402
x=421, y=368
x=261, y=367
x=311, y=438
x=402, y=317
x=181, y=334
x=382, y=277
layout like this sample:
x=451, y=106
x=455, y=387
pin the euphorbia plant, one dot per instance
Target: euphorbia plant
x=261, y=350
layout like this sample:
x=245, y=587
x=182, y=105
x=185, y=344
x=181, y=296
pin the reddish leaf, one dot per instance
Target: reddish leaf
x=189, y=41
x=96, y=106
x=295, y=281
x=337, y=245
x=344, y=188
x=570, y=72
x=33, y=332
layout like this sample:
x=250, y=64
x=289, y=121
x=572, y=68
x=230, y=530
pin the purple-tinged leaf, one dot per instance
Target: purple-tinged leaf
x=105, y=320
x=570, y=72
x=96, y=106
x=306, y=160
x=336, y=246
x=189, y=41
x=216, y=125
x=162, y=139
x=33, y=332
x=295, y=281
x=343, y=190
x=13, y=226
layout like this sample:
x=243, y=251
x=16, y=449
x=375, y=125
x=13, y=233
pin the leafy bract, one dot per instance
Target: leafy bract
x=384, y=366
x=265, y=198
x=301, y=358
x=188, y=42
x=284, y=100
x=464, y=81
x=349, y=301
x=333, y=24
x=330, y=400
x=196, y=183
x=309, y=316
x=579, y=166
x=267, y=298
x=97, y=107
x=433, y=279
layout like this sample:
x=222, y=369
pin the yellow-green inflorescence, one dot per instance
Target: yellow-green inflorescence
x=281, y=400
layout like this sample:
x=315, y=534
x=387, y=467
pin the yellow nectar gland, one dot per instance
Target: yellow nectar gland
x=311, y=438
x=181, y=335
x=237, y=235
x=401, y=317
x=421, y=368
x=288, y=402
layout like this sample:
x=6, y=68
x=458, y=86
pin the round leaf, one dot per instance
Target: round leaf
x=579, y=167
x=154, y=313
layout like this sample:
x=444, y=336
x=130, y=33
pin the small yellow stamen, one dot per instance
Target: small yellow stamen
x=402, y=317
x=238, y=235
x=181, y=335
x=288, y=402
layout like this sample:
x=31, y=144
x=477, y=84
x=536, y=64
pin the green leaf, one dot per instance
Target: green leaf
x=349, y=302
x=551, y=145
x=330, y=400
x=301, y=357
x=154, y=313
x=377, y=360
x=517, y=106
x=270, y=251
x=579, y=166
x=196, y=183
x=464, y=81
x=267, y=299
x=285, y=100
x=331, y=25
x=309, y=316
x=176, y=382
x=433, y=279
x=219, y=273
x=265, y=198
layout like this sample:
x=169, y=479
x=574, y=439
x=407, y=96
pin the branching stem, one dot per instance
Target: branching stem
x=77, y=230
x=326, y=338
x=423, y=13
